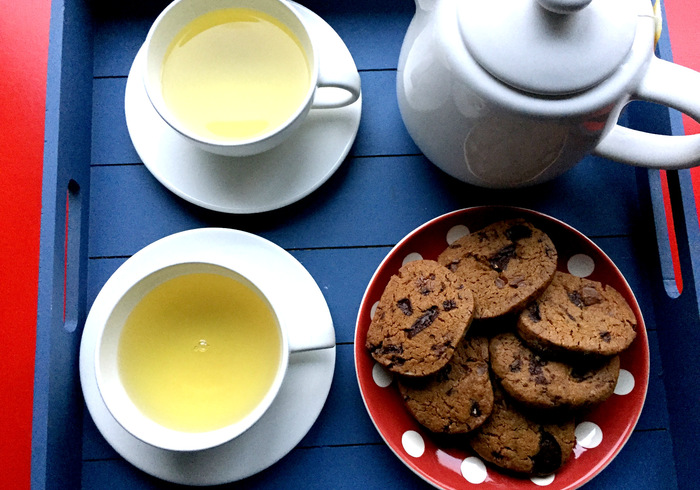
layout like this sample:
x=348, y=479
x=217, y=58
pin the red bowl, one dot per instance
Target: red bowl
x=450, y=465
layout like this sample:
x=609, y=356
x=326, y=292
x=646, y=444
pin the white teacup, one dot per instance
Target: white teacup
x=216, y=120
x=151, y=360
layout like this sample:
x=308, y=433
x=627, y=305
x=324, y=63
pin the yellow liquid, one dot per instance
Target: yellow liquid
x=234, y=74
x=199, y=352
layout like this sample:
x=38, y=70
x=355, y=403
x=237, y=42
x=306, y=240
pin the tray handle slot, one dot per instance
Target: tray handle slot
x=71, y=257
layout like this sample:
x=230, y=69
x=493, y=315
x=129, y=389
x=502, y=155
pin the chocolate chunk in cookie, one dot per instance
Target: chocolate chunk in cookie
x=506, y=264
x=578, y=315
x=422, y=316
x=519, y=443
x=459, y=397
x=539, y=382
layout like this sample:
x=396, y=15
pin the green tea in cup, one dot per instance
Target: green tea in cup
x=199, y=352
x=235, y=74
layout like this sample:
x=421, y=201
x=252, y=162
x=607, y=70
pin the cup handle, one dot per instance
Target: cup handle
x=316, y=333
x=338, y=83
x=331, y=95
x=325, y=341
x=671, y=85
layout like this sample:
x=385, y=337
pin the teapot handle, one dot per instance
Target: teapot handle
x=671, y=85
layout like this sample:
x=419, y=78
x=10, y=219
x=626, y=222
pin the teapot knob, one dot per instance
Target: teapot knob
x=564, y=6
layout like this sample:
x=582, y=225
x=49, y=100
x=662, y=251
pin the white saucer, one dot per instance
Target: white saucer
x=304, y=390
x=254, y=184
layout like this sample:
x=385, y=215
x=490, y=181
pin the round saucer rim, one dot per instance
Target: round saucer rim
x=354, y=109
x=145, y=457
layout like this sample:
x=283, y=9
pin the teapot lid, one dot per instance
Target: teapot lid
x=549, y=47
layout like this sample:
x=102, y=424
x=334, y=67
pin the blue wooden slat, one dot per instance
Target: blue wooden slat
x=111, y=140
x=645, y=462
x=351, y=467
x=340, y=468
x=342, y=275
x=382, y=26
x=404, y=192
x=382, y=131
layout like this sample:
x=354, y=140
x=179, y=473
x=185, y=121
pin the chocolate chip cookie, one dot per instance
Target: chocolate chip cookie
x=578, y=315
x=519, y=443
x=459, y=397
x=506, y=264
x=422, y=316
x=539, y=382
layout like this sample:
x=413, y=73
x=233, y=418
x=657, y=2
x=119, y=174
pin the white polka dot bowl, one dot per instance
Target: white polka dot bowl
x=448, y=462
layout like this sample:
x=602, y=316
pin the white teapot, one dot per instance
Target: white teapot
x=508, y=93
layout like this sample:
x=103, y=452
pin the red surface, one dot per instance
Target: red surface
x=682, y=21
x=23, y=58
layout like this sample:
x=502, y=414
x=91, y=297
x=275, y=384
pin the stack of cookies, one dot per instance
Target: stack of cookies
x=492, y=342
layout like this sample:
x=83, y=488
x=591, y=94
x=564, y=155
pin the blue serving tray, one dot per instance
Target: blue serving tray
x=101, y=205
